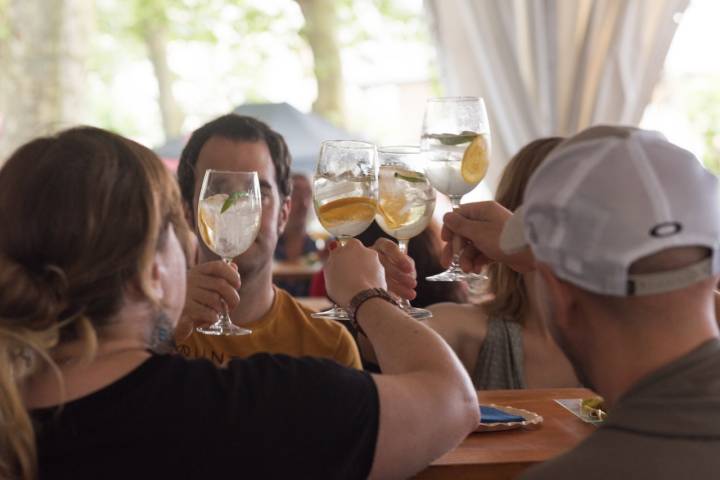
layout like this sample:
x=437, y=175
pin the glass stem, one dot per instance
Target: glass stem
x=403, y=247
x=342, y=240
x=224, y=317
x=457, y=241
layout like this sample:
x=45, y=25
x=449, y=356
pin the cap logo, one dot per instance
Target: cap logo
x=666, y=229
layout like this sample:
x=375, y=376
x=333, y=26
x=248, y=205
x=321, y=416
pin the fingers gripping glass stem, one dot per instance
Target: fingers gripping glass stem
x=224, y=325
x=416, y=313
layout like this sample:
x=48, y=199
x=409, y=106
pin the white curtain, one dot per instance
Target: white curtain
x=552, y=67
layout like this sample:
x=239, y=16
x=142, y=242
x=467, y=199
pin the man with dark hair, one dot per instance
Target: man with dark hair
x=624, y=228
x=278, y=322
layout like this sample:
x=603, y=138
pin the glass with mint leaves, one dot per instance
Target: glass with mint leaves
x=229, y=210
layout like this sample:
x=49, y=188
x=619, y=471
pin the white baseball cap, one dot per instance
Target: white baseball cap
x=610, y=196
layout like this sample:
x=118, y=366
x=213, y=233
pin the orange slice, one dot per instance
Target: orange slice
x=349, y=209
x=394, y=211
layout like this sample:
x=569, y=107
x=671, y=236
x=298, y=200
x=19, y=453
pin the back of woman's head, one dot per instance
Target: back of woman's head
x=507, y=286
x=82, y=215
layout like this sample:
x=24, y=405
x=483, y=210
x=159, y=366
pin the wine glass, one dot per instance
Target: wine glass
x=344, y=194
x=229, y=211
x=456, y=140
x=406, y=201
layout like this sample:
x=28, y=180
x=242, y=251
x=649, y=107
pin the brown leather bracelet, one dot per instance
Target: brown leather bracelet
x=363, y=297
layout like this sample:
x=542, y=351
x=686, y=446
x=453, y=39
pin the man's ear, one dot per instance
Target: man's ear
x=157, y=272
x=561, y=296
x=284, y=214
x=134, y=288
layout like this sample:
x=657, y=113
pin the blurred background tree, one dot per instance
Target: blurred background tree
x=43, y=56
x=155, y=69
x=320, y=31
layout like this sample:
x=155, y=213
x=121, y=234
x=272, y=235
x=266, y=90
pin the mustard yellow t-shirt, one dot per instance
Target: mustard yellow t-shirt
x=286, y=328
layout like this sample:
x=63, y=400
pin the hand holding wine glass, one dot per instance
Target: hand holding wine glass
x=456, y=139
x=228, y=221
x=406, y=201
x=344, y=194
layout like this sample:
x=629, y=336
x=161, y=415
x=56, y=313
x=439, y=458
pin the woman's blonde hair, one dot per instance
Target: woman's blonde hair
x=508, y=288
x=83, y=214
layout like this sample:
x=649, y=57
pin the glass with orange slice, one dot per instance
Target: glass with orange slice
x=406, y=201
x=345, y=194
x=456, y=142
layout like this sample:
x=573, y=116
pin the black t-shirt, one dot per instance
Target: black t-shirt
x=268, y=416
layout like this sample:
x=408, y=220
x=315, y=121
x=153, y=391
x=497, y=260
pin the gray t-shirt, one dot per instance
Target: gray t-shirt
x=667, y=426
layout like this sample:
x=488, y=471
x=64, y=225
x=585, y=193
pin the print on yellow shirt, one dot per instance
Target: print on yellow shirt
x=287, y=328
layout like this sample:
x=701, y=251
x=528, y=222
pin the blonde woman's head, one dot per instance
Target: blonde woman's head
x=510, y=296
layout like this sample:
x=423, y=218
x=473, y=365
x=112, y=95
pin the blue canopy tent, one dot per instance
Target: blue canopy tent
x=303, y=133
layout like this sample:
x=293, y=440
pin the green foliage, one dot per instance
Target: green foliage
x=368, y=20
x=703, y=110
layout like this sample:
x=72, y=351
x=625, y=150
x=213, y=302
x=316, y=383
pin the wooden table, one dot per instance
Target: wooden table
x=504, y=455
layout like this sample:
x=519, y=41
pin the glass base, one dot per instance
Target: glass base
x=418, y=313
x=452, y=274
x=221, y=328
x=335, y=313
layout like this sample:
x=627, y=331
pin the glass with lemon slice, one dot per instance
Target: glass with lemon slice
x=229, y=211
x=456, y=142
x=344, y=194
x=406, y=201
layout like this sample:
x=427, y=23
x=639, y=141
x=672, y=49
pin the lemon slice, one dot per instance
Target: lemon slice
x=208, y=211
x=593, y=408
x=475, y=161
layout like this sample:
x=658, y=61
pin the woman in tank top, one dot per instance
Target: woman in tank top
x=502, y=341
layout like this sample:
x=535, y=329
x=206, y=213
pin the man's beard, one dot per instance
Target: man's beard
x=547, y=313
x=577, y=365
x=162, y=339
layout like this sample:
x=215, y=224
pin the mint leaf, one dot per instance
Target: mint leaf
x=453, y=138
x=420, y=178
x=232, y=200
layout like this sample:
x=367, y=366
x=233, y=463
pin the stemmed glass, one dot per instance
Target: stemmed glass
x=456, y=140
x=344, y=194
x=229, y=211
x=406, y=201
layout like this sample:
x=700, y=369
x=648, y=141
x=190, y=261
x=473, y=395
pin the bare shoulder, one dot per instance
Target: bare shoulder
x=458, y=322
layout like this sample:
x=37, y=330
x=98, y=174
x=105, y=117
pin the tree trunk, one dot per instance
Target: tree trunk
x=43, y=72
x=320, y=32
x=155, y=38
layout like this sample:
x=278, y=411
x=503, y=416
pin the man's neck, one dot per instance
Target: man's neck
x=623, y=356
x=256, y=297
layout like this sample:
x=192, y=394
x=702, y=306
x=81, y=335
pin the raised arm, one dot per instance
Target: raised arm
x=481, y=224
x=427, y=402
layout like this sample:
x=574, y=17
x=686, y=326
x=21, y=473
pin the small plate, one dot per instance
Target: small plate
x=531, y=420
